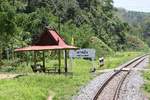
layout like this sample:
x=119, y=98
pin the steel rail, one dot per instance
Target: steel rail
x=117, y=92
x=116, y=73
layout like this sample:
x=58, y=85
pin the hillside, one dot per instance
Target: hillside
x=23, y=20
x=139, y=21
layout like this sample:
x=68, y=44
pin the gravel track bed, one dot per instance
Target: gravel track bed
x=131, y=89
x=88, y=92
x=108, y=92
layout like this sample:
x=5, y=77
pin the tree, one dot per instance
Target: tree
x=7, y=24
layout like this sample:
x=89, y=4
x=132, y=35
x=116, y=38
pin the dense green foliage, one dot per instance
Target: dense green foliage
x=21, y=20
x=139, y=23
x=100, y=46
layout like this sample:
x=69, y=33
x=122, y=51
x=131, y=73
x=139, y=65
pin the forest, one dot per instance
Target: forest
x=139, y=21
x=91, y=24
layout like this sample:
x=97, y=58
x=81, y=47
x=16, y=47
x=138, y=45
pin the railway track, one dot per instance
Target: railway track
x=111, y=87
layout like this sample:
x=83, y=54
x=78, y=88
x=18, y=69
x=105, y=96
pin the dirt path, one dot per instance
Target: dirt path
x=49, y=98
x=7, y=76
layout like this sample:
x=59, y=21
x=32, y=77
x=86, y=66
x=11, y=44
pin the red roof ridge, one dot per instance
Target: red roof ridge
x=56, y=42
x=52, y=29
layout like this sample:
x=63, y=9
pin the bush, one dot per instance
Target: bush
x=134, y=43
x=1, y=63
x=101, y=48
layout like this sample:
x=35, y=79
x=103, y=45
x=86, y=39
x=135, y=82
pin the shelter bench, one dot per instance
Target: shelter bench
x=38, y=68
x=51, y=69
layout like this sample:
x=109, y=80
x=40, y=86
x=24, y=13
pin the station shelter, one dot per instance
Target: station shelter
x=50, y=39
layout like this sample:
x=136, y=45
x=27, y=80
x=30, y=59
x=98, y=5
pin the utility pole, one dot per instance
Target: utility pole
x=58, y=14
x=29, y=2
x=29, y=5
x=13, y=2
x=59, y=22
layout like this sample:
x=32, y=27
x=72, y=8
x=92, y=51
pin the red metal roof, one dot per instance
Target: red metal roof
x=49, y=40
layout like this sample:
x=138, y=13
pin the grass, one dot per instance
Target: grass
x=37, y=87
x=119, y=58
x=146, y=86
x=40, y=86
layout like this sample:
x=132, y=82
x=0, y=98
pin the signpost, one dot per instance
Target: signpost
x=83, y=53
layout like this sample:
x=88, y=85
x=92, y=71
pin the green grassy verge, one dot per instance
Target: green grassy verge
x=37, y=87
x=146, y=86
x=119, y=58
x=40, y=86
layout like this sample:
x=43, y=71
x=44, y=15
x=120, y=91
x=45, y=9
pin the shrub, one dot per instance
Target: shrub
x=101, y=48
x=134, y=43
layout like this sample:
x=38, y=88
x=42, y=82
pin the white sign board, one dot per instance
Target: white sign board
x=82, y=53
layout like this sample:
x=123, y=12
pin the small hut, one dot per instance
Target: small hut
x=49, y=40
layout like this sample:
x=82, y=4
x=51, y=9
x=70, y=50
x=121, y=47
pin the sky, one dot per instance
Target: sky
x=133, y=5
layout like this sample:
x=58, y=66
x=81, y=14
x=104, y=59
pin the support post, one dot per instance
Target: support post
x=34, y=58
x=27, y=60
x=43, y=61
x=1, y=50
x=12, y=51
x=59, y=61
x=66, y=67
x=7, y=53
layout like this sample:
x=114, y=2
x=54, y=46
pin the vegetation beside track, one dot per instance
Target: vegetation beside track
x=40, y=86
x=146, y=85
x=119, y=58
